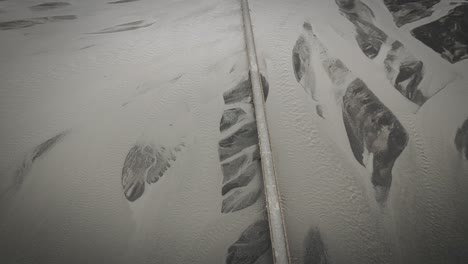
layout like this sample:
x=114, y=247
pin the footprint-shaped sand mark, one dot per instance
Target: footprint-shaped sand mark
x=145, y=164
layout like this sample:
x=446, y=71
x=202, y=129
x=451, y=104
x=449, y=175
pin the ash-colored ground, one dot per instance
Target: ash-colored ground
x=112, y=142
